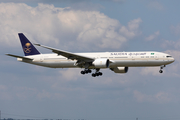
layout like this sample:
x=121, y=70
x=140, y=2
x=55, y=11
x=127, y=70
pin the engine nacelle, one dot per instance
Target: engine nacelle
x=120, y=69
x=101, y=63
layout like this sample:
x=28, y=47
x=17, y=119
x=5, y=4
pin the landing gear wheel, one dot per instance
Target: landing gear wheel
x=97, y=74
x=100, y=73
x=160, y=71
x=93, y=75
x=86, y=71
x=89, y=71
x=83, y=72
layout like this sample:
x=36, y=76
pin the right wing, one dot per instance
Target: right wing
x=68, y=55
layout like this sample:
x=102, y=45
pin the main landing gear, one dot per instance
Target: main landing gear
x=161, y=71
x=97, y=73
x=86, y=71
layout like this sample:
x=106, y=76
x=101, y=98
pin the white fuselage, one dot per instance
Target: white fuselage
x=117, y=59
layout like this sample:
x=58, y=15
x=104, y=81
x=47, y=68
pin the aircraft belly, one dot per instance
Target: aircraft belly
x=69, y=64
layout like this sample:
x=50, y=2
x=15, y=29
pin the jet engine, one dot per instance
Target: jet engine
x=120, y=69
x=101, y=63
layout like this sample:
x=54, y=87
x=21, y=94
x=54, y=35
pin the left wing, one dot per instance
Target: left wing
x=68, y=55
x=16, y=56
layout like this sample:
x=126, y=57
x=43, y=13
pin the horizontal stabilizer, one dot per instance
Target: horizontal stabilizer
x=16, y=56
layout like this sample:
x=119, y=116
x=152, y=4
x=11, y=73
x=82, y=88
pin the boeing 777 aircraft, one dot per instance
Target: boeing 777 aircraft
x=119, y=62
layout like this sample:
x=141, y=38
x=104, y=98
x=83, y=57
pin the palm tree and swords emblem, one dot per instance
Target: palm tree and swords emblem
x=27, y=48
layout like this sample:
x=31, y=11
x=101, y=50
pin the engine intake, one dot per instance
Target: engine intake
x=101, y=63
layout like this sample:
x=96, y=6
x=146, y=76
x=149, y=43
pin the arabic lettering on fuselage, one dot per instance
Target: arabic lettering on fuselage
x=131, y=53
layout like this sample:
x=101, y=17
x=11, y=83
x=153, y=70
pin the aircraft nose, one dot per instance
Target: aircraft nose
x=173, y=59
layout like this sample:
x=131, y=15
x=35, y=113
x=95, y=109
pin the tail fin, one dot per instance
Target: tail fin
x=27, y=46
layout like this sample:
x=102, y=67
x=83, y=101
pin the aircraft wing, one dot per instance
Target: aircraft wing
x=16, y=56
x=68, y=55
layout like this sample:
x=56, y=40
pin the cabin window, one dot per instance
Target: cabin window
x=120, y=57
x=53, y=58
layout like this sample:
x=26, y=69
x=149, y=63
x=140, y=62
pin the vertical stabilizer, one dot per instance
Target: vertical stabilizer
x=27, y=46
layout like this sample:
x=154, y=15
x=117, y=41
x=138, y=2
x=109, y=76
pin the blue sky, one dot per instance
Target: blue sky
x=28, y=91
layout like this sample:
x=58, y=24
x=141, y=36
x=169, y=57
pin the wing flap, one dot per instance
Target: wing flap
x=16, y=56
x=68, y=55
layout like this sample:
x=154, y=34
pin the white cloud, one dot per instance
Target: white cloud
x=3, y=87
x=24, y=93
x=132, y=29
x=70, y=74
x=119, y=1
x=174, y=68
x=156, y=5
x=160, y=97
x=176, y=29
x=171, y=44
x=152, y=37
x=4, y=93
x=21, y=93
x=150, y=71
x=44, y=94
x=175, y=54
x=63, y=27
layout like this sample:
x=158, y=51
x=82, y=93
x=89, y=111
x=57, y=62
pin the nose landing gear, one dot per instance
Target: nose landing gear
x=161, y=71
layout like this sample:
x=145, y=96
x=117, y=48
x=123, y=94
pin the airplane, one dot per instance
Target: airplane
x=119, y=62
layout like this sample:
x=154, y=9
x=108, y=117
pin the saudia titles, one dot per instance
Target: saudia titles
x=27, y=48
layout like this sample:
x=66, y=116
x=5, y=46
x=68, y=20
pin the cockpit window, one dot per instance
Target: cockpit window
x=168, y=56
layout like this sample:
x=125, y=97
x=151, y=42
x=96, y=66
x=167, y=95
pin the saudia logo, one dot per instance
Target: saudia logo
x=27, y=48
